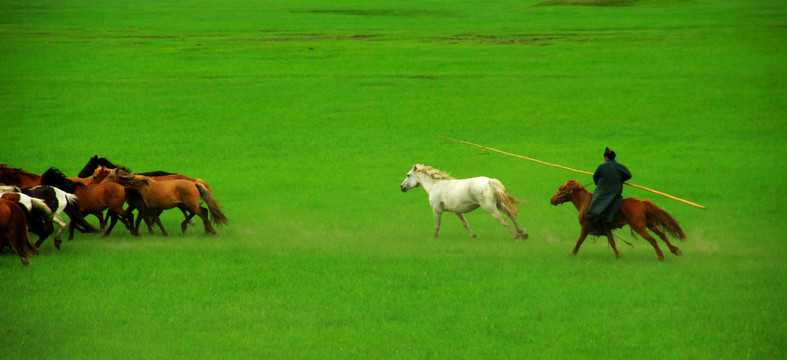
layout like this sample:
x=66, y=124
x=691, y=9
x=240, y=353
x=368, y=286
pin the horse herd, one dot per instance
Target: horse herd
x=32, y=202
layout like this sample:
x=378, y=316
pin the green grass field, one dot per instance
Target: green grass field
x=305, y=116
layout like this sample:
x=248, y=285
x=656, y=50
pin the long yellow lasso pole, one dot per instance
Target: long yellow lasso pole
x=570, y=169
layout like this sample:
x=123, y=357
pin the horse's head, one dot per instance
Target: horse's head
x=99, y=175
x=89, y=167
x=565, y=191
x=411, y=181
x=94, y=163
x=56, y=178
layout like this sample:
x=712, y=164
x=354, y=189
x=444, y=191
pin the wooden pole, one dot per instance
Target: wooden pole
x=570, y=169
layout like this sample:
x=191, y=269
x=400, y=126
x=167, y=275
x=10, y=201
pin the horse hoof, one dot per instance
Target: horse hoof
x=57, y=244
x=677, y=252
x=25, y=262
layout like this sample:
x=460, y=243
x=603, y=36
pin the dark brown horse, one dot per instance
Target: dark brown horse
x=168, y=194
x=18, y=177
x=13, y=230
x=94, y=199
x=640, y=215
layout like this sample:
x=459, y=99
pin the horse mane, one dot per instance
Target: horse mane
x=432, y=172
x=103, y=162
x=131, y=178
x=56, y=178
x=584, y=203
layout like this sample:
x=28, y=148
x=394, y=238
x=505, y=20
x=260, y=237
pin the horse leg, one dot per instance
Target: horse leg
x=60, y=222
x=582, y=236
x=153, y=216
x=188, y=214
x=437, y=215
x=644, y=233
x=521, y=232
x=102, y=221
x=113, y=220
x=148, y=217
x=467, y=226
x=612, y=243
x=71, y=227
x=493, y=211
x=672, y=248
x=203, y=214
x=128, y=220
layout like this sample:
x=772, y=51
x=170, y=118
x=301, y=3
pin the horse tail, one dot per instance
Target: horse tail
x=662, y=219
x=73, y=212
x=216, y=215
x=203, y=183
x=40, y=207
x=505, y=201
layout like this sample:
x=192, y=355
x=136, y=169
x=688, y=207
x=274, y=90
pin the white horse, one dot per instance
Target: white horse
x=464, y=195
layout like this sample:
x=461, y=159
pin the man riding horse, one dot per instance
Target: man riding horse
x=609, y=178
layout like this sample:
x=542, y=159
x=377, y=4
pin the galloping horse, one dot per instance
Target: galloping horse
x=640, y=215
x=18, y=177
x=13, y=230
x=94, y=199
x=168, y=194
x=462, y=196
x=102, y=173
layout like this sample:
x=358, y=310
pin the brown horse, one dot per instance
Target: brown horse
x=102, y=173
x=168, y=194
x=94, y=199
x=24, y=179
x=640, y=215
x=18, y=177
x=13, y=230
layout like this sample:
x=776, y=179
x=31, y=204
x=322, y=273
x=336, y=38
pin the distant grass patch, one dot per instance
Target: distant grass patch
x=376, y=12
x=611, y=2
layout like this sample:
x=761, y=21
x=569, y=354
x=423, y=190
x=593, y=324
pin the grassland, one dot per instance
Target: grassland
x=304, y=117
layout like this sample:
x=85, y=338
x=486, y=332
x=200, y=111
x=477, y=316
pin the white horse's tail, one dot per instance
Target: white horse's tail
x=41, y=207
x=505, y=201
x=71, y=199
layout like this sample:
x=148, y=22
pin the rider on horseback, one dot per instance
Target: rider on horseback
x=609, y=178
